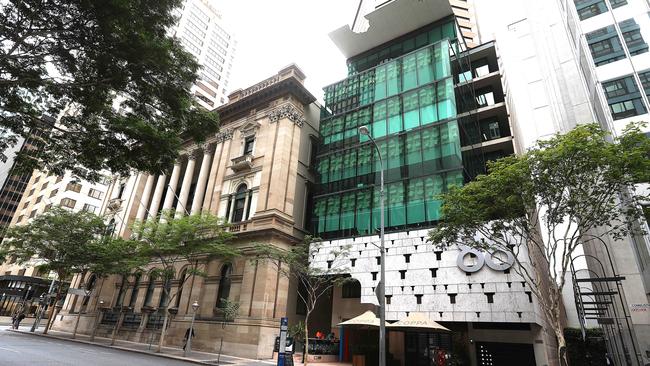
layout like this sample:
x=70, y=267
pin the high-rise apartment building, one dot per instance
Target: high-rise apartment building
x=203, y=33
x=437, y=112
x=566, y=63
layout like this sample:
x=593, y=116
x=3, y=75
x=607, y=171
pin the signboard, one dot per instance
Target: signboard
x=640, y=308
x=284, y=326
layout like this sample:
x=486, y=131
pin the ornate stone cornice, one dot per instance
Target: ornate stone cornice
x=287, y=111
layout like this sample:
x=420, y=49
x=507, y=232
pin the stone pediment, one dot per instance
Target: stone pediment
x=249, y=128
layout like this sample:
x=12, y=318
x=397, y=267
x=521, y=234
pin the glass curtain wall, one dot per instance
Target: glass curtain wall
x=409, y=105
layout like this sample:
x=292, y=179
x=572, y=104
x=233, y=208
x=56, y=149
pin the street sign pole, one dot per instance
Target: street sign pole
x=284, y=326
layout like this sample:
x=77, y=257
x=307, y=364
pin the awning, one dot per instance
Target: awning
x=367, y=319
x=416, y=321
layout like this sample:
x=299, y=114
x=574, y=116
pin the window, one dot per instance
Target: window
x=633, y=38
x=617, y=3
x=148, y=297
x=39, y=199
x=47, y=207
x=90, y=208
x=25, y=205
x=624, y=98
x=32, y=192
x=351, y=290
x=590, y=8
x=73, y=186
x=179, y=291
x=605, y=46
x=54, y=192
x=121, y=292
x=20, y=218
x=248, y=145
x=166, y=291
x=37, y=179
x=94, y=193
x=240, y=204
x=224, y=284
x=121, y=191
x=68, y=202
x=58, y=179
x=645, y=81
x=134, y=291
x=33, y=214
x=44, y=185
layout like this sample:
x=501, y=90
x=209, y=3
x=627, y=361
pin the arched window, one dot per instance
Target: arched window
x=89, y=288
x=150, y=288
x=134, y=291
x=166, y=290
x=224, y=284
x=179, y=291
x=120, y=294
x=240, y=204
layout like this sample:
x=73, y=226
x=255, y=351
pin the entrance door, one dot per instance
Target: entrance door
x=504, y=354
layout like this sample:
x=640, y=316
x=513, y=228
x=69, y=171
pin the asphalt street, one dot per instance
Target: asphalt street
x=23, y=349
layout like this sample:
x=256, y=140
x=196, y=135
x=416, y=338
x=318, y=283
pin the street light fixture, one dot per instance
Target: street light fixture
x=190, y=333
x=363, y=130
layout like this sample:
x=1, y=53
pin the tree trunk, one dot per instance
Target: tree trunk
x=56, y=301
x=161, y=341
x=118, y=325
x=561, y=348
x=305, y=354
x=76, y=324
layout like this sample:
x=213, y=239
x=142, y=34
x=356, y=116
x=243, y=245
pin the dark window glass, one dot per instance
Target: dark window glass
x=624, y=98
x=645, y=81
x=617, y=3
x=605, y=46
x=179, y=291
x=351, y=290
x=590, y=8
x=134, y=291
x=240, y=204
x=633, y=38
x=224, y=284
x=148, y=298
x=248, y=145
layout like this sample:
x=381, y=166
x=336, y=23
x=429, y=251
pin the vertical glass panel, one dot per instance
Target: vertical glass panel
x=431, y=149
x=392, y=76
x=380, y=82
x=349, y=164
x=384, y=153
x=435, y=34
x=411, y=111
x=395, y=155
x=323, y=170
x=337, y=129
x=428, y=112
x=333, y=212
x=379, y=120
x=449, y=31
x=425, y=66
x=394, y=116
x=409, y=75
x=446, y=99
x=364, y=160
x=444, y=69
x=347, y=210
x=319, y=215
x=363, y=212
x=413, y=149
x=454, y=179
x=415, y=202
x=432, y=189
x=449, y=140
x=336, y=163
x=376, y=217
x=396, y=208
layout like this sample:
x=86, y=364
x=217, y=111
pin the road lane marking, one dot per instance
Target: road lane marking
x=9, y=349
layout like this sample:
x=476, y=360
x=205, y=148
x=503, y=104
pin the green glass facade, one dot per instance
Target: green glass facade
x=409, y=105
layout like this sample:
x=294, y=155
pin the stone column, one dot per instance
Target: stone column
x=199, y=192
x=246, y=199
x=171, y=187
x=232, y=198
x=144, y=199
x=181, y=205
x=157, y=195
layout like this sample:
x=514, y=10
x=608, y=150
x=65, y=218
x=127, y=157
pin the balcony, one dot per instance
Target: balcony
x=242, y=163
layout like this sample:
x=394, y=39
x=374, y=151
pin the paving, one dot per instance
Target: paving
x=20, y=347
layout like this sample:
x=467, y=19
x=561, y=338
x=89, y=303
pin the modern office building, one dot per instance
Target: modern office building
x=437, y=111
x=568, y=63
x=203, y=33
x=254, y=172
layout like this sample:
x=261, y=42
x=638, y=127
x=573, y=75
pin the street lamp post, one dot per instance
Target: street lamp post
x=188, y=348
x=363, y=130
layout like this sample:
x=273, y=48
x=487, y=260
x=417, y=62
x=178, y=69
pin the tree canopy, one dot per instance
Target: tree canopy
x=569, y=190
x=112, y=74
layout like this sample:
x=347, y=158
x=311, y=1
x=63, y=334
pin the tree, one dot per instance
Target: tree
x=168, y=240
x=567, y=191
x=111, y=71
x=313, y=281
x=66, y=243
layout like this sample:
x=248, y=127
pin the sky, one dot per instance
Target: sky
x=272, y=34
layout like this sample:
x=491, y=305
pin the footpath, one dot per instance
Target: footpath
x=197, y=357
